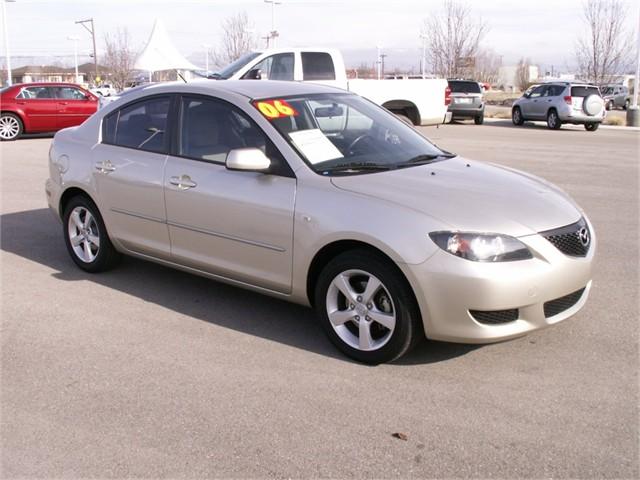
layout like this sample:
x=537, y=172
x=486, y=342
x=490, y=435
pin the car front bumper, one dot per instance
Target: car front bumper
x=448, y=288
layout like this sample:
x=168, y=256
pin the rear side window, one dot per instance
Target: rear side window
x=584, y=91
x=464, y=87
x=554, y=90
x=318, y=66
x=141, y=125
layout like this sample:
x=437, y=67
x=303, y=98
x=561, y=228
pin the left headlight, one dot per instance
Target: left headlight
x=481, y=247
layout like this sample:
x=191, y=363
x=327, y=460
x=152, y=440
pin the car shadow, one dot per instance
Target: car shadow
x=526, y=125
x=36, y=235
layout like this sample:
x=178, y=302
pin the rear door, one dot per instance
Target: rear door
x=40, y=107
x=579, y=93
x=465, y=95
x=74, y=106
x=235, y=224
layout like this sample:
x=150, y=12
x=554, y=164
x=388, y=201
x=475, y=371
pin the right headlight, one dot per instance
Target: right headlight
x=482, y=247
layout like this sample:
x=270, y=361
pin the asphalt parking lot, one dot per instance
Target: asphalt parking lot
x=149, y=372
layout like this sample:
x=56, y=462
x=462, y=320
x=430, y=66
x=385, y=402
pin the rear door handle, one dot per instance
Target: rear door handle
x=105, y=167
x=183, y=182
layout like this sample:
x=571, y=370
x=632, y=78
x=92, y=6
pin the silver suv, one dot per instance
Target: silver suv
x=616, y=96
x=466, y=100
x=558, y=103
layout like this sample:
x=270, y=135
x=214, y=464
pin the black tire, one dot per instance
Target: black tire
x=516, y=116
x=106, y=256
x=6, y=134
x=479, y=119
x=404, y=118
x=553, y=121
x=591, y=127
x=626, y=104
x=609, y=105
x=408, y=330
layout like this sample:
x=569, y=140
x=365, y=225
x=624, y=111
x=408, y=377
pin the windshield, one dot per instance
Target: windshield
x=229, y=70
x=342, y=134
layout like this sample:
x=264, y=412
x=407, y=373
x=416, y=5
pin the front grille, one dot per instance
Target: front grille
x=559, y=305
x=495, y=317
x=573, y=240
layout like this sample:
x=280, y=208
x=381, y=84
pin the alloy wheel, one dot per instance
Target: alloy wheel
x=9, y=127
x=83, y=234
x=361, y=310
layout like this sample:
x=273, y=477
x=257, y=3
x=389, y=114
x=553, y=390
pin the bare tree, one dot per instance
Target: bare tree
x=603, y=51
x=523, y=71
x=237, y=39
x=119, y=57
x=453, y=38
x=487, y=66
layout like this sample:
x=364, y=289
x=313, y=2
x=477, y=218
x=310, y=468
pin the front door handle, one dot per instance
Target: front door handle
x=183, y=182
x=105, y=167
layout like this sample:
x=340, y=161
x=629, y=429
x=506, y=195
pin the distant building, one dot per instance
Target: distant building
x=507, y=77
x=52, y=73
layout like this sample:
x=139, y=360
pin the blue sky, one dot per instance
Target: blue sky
x=544, y=30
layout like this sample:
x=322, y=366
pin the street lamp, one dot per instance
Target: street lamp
x=6, y=39
x=274, y=33
x=207, y=48
x=75, y=54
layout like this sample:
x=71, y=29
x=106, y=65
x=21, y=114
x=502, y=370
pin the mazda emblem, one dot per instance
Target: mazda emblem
x=584, y=236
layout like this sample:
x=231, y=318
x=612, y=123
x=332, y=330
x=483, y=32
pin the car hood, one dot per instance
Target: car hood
x=470, y=196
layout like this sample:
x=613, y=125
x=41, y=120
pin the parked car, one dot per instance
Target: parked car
x=43, y=107
x=417, y=101
x=616, y=96
x=466, y=100
x=105, y=90
x=558, y=103
x=317, y=196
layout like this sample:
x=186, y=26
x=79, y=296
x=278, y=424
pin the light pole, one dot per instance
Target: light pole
x=75, y=54
x=207, y=47
x=633, y=113
x=423, y=37
x=274, y=33
x=92, y=31
x=6, y=39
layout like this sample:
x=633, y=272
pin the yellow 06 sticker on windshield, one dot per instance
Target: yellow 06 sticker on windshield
x=273, y=109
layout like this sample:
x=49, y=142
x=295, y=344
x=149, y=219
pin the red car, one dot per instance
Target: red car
x=43, y=107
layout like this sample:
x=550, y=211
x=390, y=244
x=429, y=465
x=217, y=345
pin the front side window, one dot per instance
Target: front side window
x=36, y=92
x=277, y=67
x=318, y=66
x=346, y=134
x=141, y=125
x=536, y=92
x=212, y=128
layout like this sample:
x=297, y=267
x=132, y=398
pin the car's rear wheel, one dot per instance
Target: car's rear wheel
x=591, y=127
x=516, y=116
x=366, y=307
x=626, y=104
x=610, y=105
x=553, y=121
x=86, y=236
x=10, y=126
x=479, y=119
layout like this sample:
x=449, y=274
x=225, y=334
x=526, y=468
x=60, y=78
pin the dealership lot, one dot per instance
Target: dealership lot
x=151, y=372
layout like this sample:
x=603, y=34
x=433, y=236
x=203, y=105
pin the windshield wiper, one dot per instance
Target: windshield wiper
x=357, y=167
x=424, y=159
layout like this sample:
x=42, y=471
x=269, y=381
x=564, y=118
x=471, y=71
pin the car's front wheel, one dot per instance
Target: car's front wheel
x=86, y=236
x=516, y=116
x=366, y=307
x=553, y=121
x=591, y=127
x=10, y=126
x=610, y=105
x=479, y=119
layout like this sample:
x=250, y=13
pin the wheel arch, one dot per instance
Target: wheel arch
x=404, y=107
x=20, y=114
x=68, y=194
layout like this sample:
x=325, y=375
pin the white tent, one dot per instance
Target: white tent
x=160, y=54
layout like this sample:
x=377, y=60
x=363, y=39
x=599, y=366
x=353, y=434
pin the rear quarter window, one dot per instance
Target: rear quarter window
x=584, y=91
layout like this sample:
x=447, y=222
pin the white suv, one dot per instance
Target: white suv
x=558, y=103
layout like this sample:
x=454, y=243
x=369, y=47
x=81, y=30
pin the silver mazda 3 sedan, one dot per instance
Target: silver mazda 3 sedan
x=318, y=196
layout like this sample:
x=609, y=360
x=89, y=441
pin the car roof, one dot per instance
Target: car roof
x=46, y=84
x=247, y=88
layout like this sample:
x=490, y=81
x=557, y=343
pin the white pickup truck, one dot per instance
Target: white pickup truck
x=421, y=101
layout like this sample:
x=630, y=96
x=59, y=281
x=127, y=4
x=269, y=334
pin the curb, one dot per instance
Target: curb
x=567, y=125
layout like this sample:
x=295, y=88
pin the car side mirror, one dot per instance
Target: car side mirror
x=255, y=74
x=248, y=160
x=526, y=95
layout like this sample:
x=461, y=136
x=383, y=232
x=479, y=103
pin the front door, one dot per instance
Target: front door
x=235, y=224
x=128, y=172
x=530, y=107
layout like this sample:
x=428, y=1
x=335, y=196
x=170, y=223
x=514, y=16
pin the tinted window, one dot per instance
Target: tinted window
x=141, y=125
x=584, y=91
x=318, y=66
x=211, y=128
x=536, y=92
x=36, y=92
x=464, y=87
x=553, y=90
x=69, y=93
x=277, y=67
